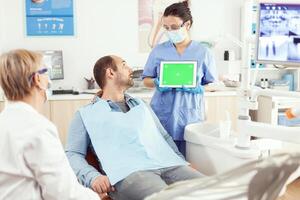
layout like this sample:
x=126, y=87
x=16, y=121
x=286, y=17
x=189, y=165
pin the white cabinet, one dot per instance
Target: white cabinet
x=46, y=110
x=1, y=105
x=61, y=110
x=270, y=107
x=61, y=114
x=217, y=106
x=268, y=111
x=146, y=96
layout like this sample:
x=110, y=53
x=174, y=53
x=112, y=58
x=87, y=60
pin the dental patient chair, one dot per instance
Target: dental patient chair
x=256, y=180
x=92, y=160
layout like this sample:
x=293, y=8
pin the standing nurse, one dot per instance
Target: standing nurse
x=178, y=107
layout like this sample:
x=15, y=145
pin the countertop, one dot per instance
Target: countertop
x=140, y=94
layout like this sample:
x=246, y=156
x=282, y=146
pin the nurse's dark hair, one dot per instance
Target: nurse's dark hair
x=100, y=68
x=180, y=10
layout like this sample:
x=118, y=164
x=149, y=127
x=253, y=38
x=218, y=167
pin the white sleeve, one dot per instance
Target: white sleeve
x=46, y=159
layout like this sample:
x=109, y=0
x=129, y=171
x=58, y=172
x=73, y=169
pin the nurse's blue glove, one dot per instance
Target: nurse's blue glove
x=196, y=90
x=161, y=89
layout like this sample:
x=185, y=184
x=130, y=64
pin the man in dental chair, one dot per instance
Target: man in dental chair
x=137, y=155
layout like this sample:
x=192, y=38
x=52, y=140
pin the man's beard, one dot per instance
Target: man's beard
x=128, y=83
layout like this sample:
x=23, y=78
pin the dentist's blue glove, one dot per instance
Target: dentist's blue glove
x=161, y=89
x=196, y=90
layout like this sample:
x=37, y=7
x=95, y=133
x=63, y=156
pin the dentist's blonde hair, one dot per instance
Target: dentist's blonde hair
x=16, y=69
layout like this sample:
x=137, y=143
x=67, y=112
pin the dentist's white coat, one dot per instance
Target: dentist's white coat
x=33, y=164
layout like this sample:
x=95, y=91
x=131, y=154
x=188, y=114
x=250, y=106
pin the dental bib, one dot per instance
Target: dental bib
x=127, y=142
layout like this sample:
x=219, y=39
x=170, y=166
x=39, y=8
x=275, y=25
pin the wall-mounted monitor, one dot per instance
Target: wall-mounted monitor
x=54, y=61
x=278, y=34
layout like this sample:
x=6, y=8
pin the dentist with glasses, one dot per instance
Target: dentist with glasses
x=179, y=107
x=33, y=162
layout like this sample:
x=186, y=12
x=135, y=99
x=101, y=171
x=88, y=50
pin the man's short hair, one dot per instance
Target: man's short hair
x=16, y=68
x=100, y=69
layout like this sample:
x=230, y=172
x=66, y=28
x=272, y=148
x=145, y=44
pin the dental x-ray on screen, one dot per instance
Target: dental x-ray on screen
x=279, y=34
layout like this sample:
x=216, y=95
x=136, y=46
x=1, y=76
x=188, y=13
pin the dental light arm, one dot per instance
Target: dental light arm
x=263, y=130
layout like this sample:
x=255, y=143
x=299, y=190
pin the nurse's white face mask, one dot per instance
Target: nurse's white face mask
x=177, y=36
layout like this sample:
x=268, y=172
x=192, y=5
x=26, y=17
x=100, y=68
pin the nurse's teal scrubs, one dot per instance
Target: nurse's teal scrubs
x=176, y=109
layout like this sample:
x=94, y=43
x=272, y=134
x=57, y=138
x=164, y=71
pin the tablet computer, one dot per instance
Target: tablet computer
x=178, y=73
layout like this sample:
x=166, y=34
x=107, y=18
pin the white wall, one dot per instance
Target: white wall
x=108, y=27
x=1, y=25
x=215, y=18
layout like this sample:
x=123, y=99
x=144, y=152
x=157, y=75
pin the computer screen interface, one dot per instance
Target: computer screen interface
x=54, y=61
x=178, y=73
x=278, y=32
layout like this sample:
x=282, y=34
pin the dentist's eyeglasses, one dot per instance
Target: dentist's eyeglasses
x=44, y=70
x=173, y=27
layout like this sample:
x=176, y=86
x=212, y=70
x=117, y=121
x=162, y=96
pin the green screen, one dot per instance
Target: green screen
x=178, y=74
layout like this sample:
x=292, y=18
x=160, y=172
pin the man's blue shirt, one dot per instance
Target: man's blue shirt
x=79, y=142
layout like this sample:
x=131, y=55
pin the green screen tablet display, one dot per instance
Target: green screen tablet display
x=178, y=74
